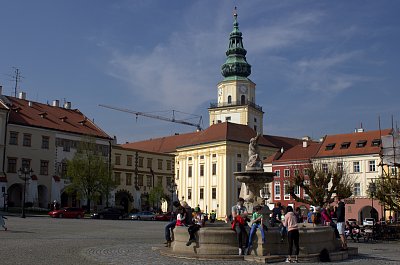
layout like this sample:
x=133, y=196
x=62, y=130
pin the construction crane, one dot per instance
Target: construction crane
x=137, y=113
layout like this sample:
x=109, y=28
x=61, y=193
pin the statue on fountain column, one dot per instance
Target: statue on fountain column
x=254, y=163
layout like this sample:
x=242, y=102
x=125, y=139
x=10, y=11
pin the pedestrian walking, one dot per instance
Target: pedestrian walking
x=2, y=222
x=293, y=234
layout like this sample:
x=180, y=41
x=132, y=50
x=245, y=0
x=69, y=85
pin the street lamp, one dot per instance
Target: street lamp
x=172, y=189
x=26, y=171
x=372, y=191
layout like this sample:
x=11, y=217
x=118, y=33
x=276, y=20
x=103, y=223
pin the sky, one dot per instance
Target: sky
x=321, y=67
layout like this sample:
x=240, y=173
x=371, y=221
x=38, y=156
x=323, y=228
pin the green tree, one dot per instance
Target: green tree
x=388, y=191
x=320, y=183
x=89, y=172
x=156, y=195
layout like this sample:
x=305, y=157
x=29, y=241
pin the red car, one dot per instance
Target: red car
x=164, y=216
x=68, y=212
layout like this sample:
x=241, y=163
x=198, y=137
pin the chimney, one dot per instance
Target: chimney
x=305, y=141
x=67, y=105
x=30, y=103
x=56, y=103
x=22, y=95
x=282, y=150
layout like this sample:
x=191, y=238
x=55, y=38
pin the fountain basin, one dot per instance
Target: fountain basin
x=218, y=241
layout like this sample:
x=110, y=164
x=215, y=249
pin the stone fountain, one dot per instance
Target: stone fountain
x=254, y=178
x=218, y=240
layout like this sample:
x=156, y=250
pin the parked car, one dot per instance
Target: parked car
x=164, y=216
x=109, y=213
x=68, y=212
x=352, y=221
x=368, y=222
x=145, y=215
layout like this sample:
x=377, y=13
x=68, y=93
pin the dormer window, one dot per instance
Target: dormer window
x=376, y=142
x=43, y=114
x=17, y=109
x=361, y=143
x=345, y=145
x=82, y=122
x=330, y=146
x=63, y=118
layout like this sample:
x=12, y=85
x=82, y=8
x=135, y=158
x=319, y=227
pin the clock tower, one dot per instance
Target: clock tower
x=236, y=92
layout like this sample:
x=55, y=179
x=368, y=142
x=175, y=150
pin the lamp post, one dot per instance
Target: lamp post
x=372, y=190
x=26, y=171
x=172, y=189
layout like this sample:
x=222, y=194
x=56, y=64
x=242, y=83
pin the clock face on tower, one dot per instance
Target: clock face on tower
x=243, y=89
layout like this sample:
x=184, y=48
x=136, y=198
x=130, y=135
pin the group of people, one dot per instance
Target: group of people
x=286, y=218
x=194, y=219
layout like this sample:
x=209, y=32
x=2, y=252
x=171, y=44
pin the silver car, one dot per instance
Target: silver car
x=145, y=215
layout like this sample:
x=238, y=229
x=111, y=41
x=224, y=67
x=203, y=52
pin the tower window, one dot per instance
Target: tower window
x=229, y=99
x=243, y=100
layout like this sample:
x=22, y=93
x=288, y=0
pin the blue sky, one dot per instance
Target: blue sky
x=321, y=67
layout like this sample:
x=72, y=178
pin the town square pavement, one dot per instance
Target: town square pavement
x=43, y=240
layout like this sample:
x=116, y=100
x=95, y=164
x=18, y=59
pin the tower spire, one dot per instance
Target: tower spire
x=236, y=64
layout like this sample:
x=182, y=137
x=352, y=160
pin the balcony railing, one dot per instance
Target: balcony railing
x=235, y=103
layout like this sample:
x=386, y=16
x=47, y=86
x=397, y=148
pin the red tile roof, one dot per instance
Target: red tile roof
x=225, y=131
x=281, y=141
x=50, y=117
x=336, y=141
x=296, y=153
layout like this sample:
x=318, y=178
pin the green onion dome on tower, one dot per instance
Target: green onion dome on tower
x=236, y=65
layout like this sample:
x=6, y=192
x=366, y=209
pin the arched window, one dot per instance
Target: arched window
x=229, y=99
x=243, y=100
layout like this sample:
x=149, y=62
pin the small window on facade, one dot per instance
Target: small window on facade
x=140, y=180
x=229, y=99
x=128, y=179
x=345, y=145
x=277, y=190
x=190, y=158
x=277, y=173
x=214, y=155
x=149, y=162
x=306, y=171
x=202, y=157
x=330, y=146
x=140, y=162
x=228, y=118
x=243, y=100
x=117, y=159
x=214, y=169
x=159, y=164
x=287, y=173
x=296, y=172
x=169, y=165
x=339, y=167
x=190, y=171
x=255, y=127
x=361, y=143
x=214, y=193
x=239, y=155
x=13, y=138
x=357, y=189
x=149, y=181
x=356, y=167
x=189, y=194
x=325, y=168
x=255, y=119
x=44, y=167
x=129, y=160
x=26, y=163
x=201, y=170
x=201, y=193
x=376, y=142
x=372, y=165
x=12, y=165
x=27, y=140
x=45, y=142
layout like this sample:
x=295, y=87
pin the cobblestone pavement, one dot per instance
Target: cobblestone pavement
x=43, y=240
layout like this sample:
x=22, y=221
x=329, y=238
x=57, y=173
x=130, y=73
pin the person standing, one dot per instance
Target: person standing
x=340, y=225
x=293, y=234
x=239, y=215
x=171, y=225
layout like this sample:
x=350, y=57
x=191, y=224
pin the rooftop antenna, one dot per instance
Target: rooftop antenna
x=17, y=78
